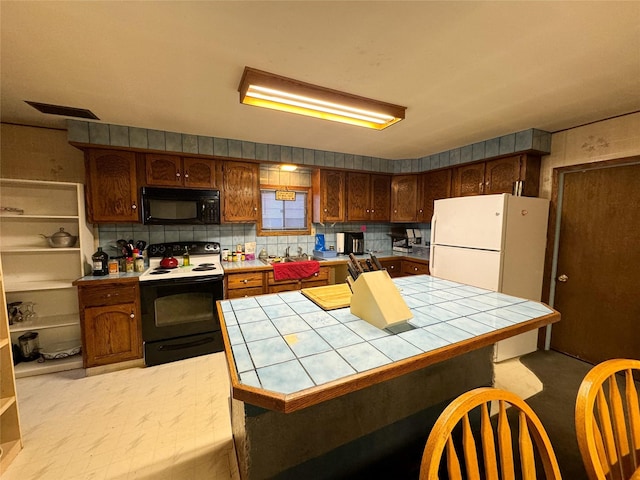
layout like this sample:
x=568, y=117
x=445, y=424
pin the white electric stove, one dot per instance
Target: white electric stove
x=178, y=305
x=204, y=261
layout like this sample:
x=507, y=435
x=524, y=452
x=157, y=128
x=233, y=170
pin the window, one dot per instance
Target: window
x=285, y=217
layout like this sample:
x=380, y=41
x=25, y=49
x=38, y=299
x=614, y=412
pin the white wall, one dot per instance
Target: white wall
x=605, y=140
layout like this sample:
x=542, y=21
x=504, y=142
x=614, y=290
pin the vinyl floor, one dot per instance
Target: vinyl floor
x=172, y=421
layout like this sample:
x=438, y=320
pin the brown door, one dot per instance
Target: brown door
x=598, y=275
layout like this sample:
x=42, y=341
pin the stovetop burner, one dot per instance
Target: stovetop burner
x=159, y=272
x=203, y=268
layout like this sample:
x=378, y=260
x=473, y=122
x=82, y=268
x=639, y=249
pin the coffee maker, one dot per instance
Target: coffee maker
x=350, y=242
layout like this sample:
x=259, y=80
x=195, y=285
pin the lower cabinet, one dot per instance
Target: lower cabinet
x=110, y=321
x=411, y=267
x=318, y=279
x=244, y=284
x=394, y=267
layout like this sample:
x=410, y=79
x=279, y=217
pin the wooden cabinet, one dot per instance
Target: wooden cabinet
x=404, y=198
x=394, y=267
x=10, y=435
x=502, y=175
x=368, y=197
x=244, y=284
x=328, y=196
x=240, y=192
x=415, y=267
x=175, y=171
x=318, y=279
x=110, y=321
x=112, y=187
x=433, y=186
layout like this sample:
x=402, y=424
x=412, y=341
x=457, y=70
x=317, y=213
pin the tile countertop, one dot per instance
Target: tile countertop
x=285, y=353
x=386, y=255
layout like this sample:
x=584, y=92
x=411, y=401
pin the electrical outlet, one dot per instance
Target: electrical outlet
x=313, y=229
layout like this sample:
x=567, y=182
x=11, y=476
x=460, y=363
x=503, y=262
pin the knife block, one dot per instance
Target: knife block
x=377, y=300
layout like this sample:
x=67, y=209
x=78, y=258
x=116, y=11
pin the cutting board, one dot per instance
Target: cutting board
x=329, y=297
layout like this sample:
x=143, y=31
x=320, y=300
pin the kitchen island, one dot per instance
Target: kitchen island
x=324, y=394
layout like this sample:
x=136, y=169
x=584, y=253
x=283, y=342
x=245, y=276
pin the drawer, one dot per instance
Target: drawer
x=414, y=268
x=322, y=275
x=394, y=267
x=244, y=292
x=244, y=280
x=108, y=295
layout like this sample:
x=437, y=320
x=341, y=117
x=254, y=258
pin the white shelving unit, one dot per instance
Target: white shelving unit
x=35, y=272
x=10, y=436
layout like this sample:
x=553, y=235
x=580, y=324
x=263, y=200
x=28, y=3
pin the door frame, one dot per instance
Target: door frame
x=553, y=230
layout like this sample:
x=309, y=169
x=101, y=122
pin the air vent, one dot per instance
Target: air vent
x=62, y=110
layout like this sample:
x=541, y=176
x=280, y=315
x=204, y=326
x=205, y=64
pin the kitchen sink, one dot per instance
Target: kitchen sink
x=271, y=261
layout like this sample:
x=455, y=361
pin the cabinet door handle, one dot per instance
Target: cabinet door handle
x=315, y=274
x=178, y=174
x=132, y=315
x=245, y=281
x=186, y=175
x=134, y=206
x=415, y=269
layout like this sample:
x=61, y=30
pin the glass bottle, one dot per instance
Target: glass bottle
x=185, y=257
x=100, y=262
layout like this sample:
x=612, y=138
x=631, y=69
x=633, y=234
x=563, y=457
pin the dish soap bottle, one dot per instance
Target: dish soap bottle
x=185, y=257
x=100, y=262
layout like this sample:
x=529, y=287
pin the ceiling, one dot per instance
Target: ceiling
x=466, y=71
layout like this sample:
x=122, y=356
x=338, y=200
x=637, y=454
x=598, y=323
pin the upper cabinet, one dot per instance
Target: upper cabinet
x=368, y=197
x=240, y=192
x=112, y=187
x=404, y=198
x=433, y=186
x=328, y=196
x=516, y=174
x=175, y=171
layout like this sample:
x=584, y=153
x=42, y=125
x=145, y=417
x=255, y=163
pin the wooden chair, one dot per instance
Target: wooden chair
x=608, y=421
x=491, y=461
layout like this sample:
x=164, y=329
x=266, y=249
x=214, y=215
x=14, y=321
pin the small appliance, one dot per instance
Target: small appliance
x=180, y=206
x=350, y=242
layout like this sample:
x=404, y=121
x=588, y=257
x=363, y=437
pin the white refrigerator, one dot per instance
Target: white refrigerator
x=495, y=242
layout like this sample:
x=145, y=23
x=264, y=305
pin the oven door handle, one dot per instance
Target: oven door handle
x=180, y=346
x=183, y=281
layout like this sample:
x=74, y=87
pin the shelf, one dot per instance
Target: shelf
x=27, y=369
x=38, y=217
x=41, y=323
x=9, y=451
x=38, y=285
x=11, y=250
x=5, y=403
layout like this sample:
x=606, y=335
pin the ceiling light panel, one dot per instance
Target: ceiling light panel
x=264, y=89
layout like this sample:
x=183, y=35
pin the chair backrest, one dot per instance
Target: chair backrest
x=608, y=420
x=494, y=458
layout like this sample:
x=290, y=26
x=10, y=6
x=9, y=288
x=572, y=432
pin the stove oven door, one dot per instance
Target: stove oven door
x=179, y=318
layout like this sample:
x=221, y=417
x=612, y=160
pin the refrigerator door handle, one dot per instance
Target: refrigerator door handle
x=431, y=248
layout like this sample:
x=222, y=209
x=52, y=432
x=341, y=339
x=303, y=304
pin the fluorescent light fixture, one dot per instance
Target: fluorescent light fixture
x=288, y=168
x=268, y=90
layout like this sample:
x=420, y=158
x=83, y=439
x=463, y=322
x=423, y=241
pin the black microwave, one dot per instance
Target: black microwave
x=180, y=206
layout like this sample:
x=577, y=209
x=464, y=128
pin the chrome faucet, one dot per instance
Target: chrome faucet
x=286, y=252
